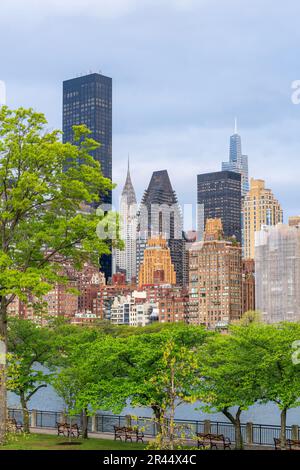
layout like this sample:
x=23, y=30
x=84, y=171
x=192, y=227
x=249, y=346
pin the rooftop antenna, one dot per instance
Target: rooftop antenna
x=235, y=125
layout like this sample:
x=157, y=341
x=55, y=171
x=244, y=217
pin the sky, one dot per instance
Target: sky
x=182, y=71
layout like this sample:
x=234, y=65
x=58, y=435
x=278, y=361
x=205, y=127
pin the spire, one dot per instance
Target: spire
x=235, y=125
x=128, y=190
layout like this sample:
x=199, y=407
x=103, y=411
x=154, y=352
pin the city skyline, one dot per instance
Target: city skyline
x=169, y=107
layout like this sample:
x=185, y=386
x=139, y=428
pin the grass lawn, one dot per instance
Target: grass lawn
x=50, y=442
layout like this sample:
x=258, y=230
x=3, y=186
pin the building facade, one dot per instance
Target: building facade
x=219, y=197
x=131, y=310
x=88, y=100
x=160, y=215
x=125, y=260
x=277, y=273
x=260, y=207
x=173, y=306
x=215, y=281
x=157, y=266
x=248, y=301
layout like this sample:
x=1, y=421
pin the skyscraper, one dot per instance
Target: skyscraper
x=215, y=279
x=277, y=268
x=160, y=215
x=259, y=208
x=219, y=197
x=237, y=161
x=125, y=260
x=88, y=100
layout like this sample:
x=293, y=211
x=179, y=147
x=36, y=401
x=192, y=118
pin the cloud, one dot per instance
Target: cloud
x=38, y=10
x=181, y=69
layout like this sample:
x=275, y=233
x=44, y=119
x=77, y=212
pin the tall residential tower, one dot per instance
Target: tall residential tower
x=260, y=208
x=277, y=266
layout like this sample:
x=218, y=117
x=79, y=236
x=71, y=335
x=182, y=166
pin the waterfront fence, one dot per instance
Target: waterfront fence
x=258, y=434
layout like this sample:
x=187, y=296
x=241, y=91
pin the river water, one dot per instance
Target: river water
x=46, y=399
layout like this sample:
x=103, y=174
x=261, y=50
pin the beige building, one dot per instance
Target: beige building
x=157, y=267
x=215, y=279
x=294, y=221
x=260, y=208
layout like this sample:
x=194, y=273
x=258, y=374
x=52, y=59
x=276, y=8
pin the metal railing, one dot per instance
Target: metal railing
x=262, y=434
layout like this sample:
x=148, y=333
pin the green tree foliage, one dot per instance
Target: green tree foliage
x=30, y=347
x=44, y=188
x=156, y=370
x=230, y=384
x=270, y=350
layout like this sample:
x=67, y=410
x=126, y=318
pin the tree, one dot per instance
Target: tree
x=252, y=316
x=66, y=387
x=44, y=188
x=29, y=346
x=176, y=380
x=271, y=349
x=229, y=380
x=156, y=370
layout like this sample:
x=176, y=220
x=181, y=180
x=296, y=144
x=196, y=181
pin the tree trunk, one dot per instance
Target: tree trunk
x=157, y=413
x=172, y=411
x=25, y=413
x=3, y=351
x=237, y=427
x=238, y=435
x=84, y=423
x=283, y=428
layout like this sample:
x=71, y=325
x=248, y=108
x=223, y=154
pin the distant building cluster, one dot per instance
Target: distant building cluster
x=239, y=258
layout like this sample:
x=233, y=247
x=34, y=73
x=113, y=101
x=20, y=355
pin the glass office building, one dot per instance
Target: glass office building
x=219, y=197
x=88, y=100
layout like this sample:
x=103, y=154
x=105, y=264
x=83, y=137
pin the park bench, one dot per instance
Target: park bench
x=202, y=440
x=214, y=441
x=74, y=430
x=128, y=434
x=63, y=429
x=291, y=444
x=14, y=426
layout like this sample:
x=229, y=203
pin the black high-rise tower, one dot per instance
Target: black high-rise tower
x=88, y=100
x=219, y=196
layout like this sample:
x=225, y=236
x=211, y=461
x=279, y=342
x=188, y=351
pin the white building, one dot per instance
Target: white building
x=132, y=310
x=277, y=267
x=125, y=260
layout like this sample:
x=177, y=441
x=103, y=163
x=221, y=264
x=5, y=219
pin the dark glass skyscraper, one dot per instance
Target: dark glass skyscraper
x=160, y=214
x=219, y=196
x=88, y=100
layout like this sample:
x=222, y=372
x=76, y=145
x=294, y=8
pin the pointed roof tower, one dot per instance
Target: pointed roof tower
x=160, y=190
x=128, y=189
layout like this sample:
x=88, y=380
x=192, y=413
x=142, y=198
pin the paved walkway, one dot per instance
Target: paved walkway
x=110, y=436
x=97, y=435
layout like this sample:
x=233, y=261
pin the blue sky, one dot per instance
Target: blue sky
x=182, y=70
